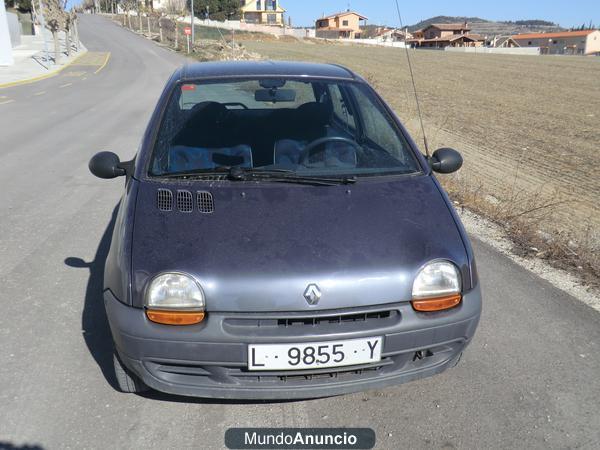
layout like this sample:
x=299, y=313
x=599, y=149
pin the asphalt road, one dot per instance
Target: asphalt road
x=531, y=378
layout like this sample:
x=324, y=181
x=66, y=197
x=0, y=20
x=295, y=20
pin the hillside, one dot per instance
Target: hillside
x=444, y=19
x=491, y=28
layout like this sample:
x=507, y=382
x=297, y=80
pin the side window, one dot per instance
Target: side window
x=378, y=127
x=341, y=111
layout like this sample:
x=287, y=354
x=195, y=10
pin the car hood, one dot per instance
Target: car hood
x=265, y=243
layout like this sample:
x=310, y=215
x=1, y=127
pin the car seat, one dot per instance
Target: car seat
x=312, y=122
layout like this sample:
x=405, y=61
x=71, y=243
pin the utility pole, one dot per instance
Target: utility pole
x=192, y=23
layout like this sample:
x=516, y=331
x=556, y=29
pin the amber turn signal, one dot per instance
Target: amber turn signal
x=436, y=304
x=175, y=317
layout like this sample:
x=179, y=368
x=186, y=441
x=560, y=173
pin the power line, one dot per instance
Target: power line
x=412, y=77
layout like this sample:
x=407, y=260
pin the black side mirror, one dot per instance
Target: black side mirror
x=106, y=165
x=445, y=160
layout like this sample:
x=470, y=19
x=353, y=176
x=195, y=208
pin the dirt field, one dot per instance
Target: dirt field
x=528, y=127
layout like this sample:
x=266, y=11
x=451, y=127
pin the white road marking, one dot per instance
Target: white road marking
x=40, y=93
x=65, y=85
x=6, y=101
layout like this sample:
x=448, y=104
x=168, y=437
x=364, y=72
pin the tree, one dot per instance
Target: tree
x=174, y=10
x=128, y=5
x=140, y=8
x=219, y=9
x=69, y=26
x=54, y=17
x=23, y=5
x=74, y=21
x=86, y=5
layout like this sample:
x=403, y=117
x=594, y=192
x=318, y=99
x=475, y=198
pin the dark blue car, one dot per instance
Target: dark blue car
x=281, y=236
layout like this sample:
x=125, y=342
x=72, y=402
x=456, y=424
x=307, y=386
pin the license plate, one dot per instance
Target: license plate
x=314, y=355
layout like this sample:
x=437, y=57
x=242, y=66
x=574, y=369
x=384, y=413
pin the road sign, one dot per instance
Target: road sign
x=187, y=31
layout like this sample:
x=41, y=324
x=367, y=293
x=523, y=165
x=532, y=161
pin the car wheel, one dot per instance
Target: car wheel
x=127, y=381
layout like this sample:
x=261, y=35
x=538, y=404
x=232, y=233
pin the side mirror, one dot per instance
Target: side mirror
x=445, y=160
x=106, y=165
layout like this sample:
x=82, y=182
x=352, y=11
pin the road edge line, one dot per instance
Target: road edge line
x=41, y=77
x=108, y=54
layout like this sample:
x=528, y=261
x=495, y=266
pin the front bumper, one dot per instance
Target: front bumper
x=210, y=359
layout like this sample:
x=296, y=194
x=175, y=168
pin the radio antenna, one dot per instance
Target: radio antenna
x=412, y=78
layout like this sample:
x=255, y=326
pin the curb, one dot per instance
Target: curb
x=44, y=76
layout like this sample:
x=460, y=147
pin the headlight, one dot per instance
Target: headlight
x=175, y=299
x=436, y=287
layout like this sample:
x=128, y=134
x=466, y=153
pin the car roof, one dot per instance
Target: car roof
x=226, y=69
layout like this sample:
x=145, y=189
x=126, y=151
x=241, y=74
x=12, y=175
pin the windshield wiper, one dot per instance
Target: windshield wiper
x=285, y=176
x=276, y=175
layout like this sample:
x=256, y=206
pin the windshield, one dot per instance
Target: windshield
x=309, y=128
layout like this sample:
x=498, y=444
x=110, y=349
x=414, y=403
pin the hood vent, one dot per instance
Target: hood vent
x=205, y=202
x=164, y=200
x=185, y=201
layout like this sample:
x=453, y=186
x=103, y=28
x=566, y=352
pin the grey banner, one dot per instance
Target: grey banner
x=299, y=438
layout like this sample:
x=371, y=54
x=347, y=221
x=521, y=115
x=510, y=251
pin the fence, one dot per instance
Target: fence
x=244, y=26
x=379, y=42
x=159, y=28
x=531, y=51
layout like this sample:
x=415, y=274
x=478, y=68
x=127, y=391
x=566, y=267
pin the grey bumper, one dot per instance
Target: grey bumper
x=210, y=359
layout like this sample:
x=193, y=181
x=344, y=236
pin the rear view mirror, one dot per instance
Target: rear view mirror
x=275, y=95
x=106, y=165
x=269, y=83
x=445, y=160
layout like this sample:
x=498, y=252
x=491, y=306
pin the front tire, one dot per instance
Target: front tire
x=127, y=381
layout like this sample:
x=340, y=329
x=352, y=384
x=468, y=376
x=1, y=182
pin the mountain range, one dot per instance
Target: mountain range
x=492, y=28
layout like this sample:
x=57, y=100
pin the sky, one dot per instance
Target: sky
x=565, y=13
x=568, y=14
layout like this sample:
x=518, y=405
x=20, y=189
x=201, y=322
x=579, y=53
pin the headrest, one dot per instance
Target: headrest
x=316, y=113
x=203, y=116
x=207, y=112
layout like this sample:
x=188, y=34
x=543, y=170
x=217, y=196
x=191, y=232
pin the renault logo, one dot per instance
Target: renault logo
x=312, y=294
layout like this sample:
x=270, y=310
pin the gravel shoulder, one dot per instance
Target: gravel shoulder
x=493, y=235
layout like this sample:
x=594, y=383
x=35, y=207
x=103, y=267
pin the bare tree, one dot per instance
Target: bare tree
x=140, y=9
x=68, y=24
x=87, y=5
x=174, y=10
x=55, y=18
x=74, y=21
x=128, y=5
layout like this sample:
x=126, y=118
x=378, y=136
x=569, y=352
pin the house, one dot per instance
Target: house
x=265, y=12
x=157, y=5
x=584, y=42
x=440, y=35
x=340, y=25
x=504, y=42
x=418, y=35
x=392, y=35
